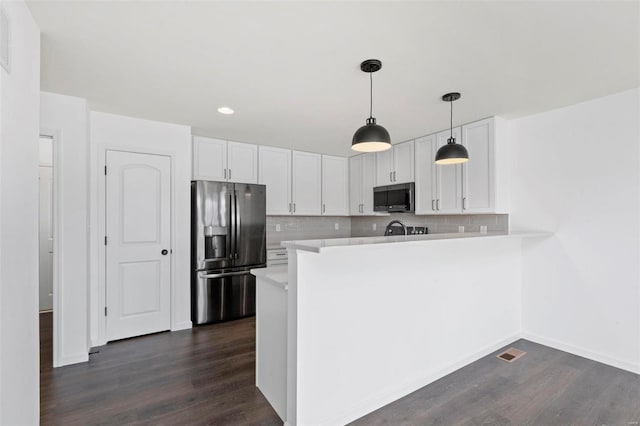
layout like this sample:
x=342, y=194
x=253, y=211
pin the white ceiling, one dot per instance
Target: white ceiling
x=291, y=69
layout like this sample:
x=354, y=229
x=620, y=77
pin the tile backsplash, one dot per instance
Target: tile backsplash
x=363, y=226
x=314, y=227
x=306, y=228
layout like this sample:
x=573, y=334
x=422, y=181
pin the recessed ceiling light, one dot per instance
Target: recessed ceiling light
x=225, y=110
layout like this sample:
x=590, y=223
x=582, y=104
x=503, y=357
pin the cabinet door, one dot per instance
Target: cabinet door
x=242, y=162
x=425, y=171
x=368, y=181
x=403, y=163
x=448, y=180
x=209, y=159
x=478, y=177
x=307, y=183
x=275, y=172
x=355, y=185
x=335, y=188
x=384, y=167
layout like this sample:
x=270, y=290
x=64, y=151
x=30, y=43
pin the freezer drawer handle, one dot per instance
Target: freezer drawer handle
x=224, y=274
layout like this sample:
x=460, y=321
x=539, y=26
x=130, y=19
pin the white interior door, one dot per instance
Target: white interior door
x=46, y=238
x=138, y=251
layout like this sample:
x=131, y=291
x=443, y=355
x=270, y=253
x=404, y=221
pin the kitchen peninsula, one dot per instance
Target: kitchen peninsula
x=372, y=319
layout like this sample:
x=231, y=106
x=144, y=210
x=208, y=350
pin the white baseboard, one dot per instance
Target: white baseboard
x=390, y=395
x=184, y=325
x=73, y=359
x=585, y=353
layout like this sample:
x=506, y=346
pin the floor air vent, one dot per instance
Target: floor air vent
x=511, y=354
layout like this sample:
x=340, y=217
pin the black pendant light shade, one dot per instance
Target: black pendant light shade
x=371, y=137
x=452, y=152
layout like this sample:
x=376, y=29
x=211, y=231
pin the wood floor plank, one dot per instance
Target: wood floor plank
x=206, y=376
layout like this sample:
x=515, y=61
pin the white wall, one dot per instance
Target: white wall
x=377, y=322
x=576, y=174
x=110, y=131
x=67, y=119
x=20, y=105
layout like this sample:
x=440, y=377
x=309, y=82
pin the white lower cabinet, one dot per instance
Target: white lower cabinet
x=362, y=179
x=335, y=188
x=475, y=187
x=306, y=186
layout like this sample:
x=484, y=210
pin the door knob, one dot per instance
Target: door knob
x=164, y=252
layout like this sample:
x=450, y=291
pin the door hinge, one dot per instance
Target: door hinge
x=105, y=240
x=105, y=170
x=105, y=311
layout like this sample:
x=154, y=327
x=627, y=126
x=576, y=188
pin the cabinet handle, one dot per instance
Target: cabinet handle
x=225, y=173
x=361, y=208
x=464, y=203
x=390, y=176
x=433, y=205
x=229, y=174
x=294, y=207
x=324, y=209
x=394, y=176
x=289, y=207
x=438, y=204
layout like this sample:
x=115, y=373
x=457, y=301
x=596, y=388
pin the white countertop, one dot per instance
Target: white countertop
x=277, y=275
x=318, y=246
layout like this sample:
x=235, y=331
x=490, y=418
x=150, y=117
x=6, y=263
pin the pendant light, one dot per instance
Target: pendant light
x=452, y=152
x=371, y=137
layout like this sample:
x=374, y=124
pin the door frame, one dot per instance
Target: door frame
x=97, y=311
x=58, y=213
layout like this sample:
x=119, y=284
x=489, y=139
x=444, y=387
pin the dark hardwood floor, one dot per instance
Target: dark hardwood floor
x=205, y=376
x=545, y=387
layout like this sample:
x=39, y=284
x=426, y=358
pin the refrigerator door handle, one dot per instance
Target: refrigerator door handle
x=223, y=274
x=238, y=224
x=232, y=224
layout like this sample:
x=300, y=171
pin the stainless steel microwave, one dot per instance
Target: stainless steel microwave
x=394, y=198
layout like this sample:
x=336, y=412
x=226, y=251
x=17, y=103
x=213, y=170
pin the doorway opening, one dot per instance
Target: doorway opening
x=46, y=245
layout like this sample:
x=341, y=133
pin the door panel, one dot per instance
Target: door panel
x=425, y=175
x=242, y=162
x=251, y=225
x=384, y=167
x=46, y=238
x=368, y=181
x=335, y=191
x=223, y=298
x=138, y=275
x=211, y=224
x=403, y=162
x=355, y=185
x=449, y=179
x=307, y=183
x=209, y=159
x=274, y=171
x=478, y=174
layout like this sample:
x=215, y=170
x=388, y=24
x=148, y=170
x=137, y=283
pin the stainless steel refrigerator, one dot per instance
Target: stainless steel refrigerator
x=228, y=238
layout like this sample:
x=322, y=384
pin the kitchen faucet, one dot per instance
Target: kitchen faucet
x=389, y=231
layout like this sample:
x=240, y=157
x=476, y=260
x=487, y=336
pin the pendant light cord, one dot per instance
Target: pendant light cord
x=370, y=95
x=451, y=120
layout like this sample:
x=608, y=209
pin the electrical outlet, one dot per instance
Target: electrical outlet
x=373, y=227
x=277, y=227
x=337, y=226
x=460, y=228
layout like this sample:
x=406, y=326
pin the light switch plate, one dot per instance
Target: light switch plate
x=337, y=226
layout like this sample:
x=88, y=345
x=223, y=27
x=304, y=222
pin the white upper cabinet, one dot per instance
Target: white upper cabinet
x=395, y=165
x=474, y=187
x=362, y=179
x=448, y=179
x=355, y=185
x=478, y=174
x=335, y=188
x=219, y=160
x=242, y=164
x=275, y=172
x=426, y=195
x=306, y=193
x=403, y=163
x=209, y=159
